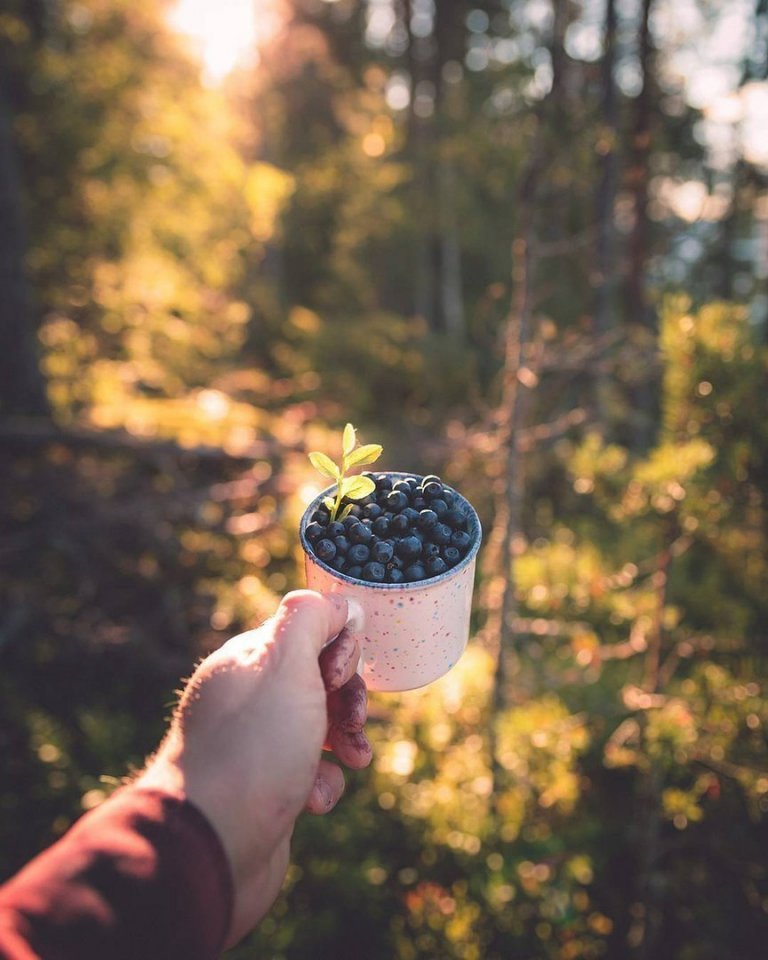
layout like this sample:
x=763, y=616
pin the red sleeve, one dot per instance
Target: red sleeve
x=142, y=877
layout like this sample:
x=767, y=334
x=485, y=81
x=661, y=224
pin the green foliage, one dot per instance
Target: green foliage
x=215, y=302
x=347, y=488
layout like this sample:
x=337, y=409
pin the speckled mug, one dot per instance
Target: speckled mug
x=411, y=633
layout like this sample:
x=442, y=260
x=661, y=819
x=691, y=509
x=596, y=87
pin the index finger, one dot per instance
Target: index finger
x=338, y=660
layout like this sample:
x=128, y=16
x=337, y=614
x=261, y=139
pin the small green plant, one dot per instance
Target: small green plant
x=353, y=488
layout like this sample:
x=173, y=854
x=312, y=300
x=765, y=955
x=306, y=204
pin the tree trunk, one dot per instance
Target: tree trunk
x=420, y=146
x=520, y=379
x=638, y=310
x=451, y=292
x=22, y=388
x=640, y=315
x=438, y=286
x=604, y=281
x=450, y=44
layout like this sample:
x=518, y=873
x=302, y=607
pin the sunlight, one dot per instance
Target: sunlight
x=228, y=34
x=754, y=98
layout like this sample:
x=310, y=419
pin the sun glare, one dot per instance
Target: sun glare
x=225, y=34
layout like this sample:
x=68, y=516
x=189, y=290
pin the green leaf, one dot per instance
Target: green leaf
x=324, y=465
x=357, y=487
x=345, y=512
x=349, y=439
x=330, y=503
x=368, y=453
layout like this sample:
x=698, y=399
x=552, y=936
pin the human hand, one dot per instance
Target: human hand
x=246, y=739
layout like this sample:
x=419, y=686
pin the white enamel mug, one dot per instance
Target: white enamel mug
x=411, y=633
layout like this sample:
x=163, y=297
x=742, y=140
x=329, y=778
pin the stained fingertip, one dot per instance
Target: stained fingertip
x=327, y=789
x=321, y=799
x=339, y=660
x=353, y=749
x=348, y=707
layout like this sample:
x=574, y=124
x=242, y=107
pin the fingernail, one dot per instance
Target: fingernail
x=324, y=789
x=355, y=616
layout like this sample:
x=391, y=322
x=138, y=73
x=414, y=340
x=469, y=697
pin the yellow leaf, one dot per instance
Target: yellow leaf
x=324, y=465
x=368, y=453
x=348, y=440
x=357, y=487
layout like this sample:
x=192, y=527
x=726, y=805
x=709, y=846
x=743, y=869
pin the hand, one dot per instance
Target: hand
x=245, y=741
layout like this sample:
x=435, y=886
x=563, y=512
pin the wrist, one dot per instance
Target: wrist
x=244, y=839
x=163, y=772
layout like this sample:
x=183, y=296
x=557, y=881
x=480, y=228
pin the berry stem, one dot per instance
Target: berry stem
x=337, y=503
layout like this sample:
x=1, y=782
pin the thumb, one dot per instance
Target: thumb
x=306, y=620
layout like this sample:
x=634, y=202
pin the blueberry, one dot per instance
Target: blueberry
x=325, y=550
x=450, y=497
x=451, y=556
x=341, y=544
x=382, y=551
x=383, y=481
x=461, y=540
x=441, y=534
x=335, y=529
x=348, y=522
x=321, y=515
x=360, y=533
x=314, y=531
x=396, y=501
x=409, y=548
x=412, y=482
x=427, y=519
x=355, y=571
x=439, y=506
x=358, y=554
x=430, y=550
x=416, y=571
x=372, y=511
x=411, y=515
x=455, y=518
x=402, y=486
x=338, y=563
x=374, y=572
x=436, y=566
x=355, y=511
x=431, y=478
x=396, y=562
x=418, y=503
x=381, y=526
x=399, y=525
x=432, y=489
x=394, y=575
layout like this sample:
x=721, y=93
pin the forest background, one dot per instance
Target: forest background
x=523, y=245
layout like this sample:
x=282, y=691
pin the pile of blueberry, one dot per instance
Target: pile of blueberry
x=408, y=529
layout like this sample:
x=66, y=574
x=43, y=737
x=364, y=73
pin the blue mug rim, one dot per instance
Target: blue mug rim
x=476, y=531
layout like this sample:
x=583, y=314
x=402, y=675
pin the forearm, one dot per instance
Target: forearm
x=144, y=877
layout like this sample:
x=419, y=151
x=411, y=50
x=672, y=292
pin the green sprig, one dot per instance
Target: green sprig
x=355, y=487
